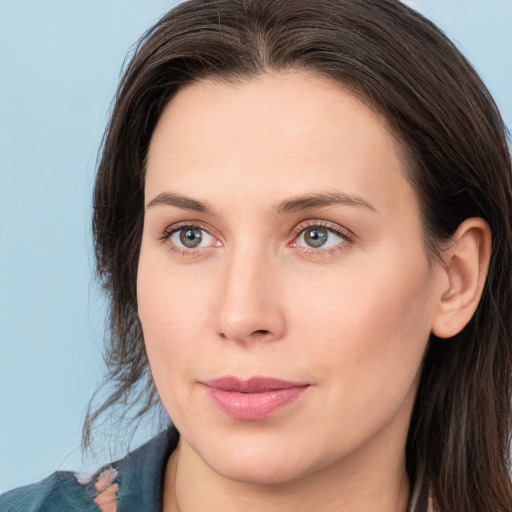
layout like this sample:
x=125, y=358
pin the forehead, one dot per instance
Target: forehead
x=292, y=132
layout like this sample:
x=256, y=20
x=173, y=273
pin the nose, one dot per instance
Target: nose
x=249, y=306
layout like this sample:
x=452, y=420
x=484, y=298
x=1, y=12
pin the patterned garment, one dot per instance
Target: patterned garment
x=133, y=484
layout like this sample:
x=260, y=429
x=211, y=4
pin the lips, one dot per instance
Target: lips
x=252, y=399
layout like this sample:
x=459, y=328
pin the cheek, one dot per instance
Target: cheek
x=172, y=309
x=376, y=327
x=365, y=342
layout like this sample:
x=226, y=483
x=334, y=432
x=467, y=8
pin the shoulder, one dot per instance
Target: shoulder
x=134, y=480
x=61, y=491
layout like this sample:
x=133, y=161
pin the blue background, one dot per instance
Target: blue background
x=59, y=66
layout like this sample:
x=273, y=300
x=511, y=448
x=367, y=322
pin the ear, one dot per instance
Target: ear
x=463, y=274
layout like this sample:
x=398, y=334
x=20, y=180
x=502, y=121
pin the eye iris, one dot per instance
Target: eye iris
x=190, y=237
x=316, y=237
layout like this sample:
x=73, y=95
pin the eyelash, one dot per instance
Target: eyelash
x=175, y=228
x=347, y=236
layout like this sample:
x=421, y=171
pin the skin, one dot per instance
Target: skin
x=351, y=318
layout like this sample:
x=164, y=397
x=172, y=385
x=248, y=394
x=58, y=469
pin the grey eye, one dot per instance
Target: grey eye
x=190, y=237
x=320, y=237
x=316, y=236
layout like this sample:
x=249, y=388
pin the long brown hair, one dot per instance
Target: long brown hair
x=401, y=65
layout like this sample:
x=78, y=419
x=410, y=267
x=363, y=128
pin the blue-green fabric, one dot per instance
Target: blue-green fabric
x=140, y=478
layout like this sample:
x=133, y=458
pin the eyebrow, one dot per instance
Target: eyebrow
x=179, y=201
x=310, y=201
x=294, y=204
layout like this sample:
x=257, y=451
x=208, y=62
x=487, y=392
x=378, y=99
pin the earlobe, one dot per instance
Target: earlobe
x=465, y=267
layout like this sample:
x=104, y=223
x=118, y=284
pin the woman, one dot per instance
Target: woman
x=302, y=217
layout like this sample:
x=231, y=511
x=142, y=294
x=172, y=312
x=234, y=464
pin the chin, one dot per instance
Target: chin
x=259, y=471
x=259, y=460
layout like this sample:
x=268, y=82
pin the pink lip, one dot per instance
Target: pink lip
x=252, y=399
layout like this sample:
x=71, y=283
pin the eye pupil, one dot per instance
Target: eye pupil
x=316, y=237
x=190, y=237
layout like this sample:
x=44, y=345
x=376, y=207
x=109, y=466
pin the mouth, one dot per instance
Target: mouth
x=252, y=399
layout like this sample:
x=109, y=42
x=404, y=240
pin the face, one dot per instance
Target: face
x=284, y=291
